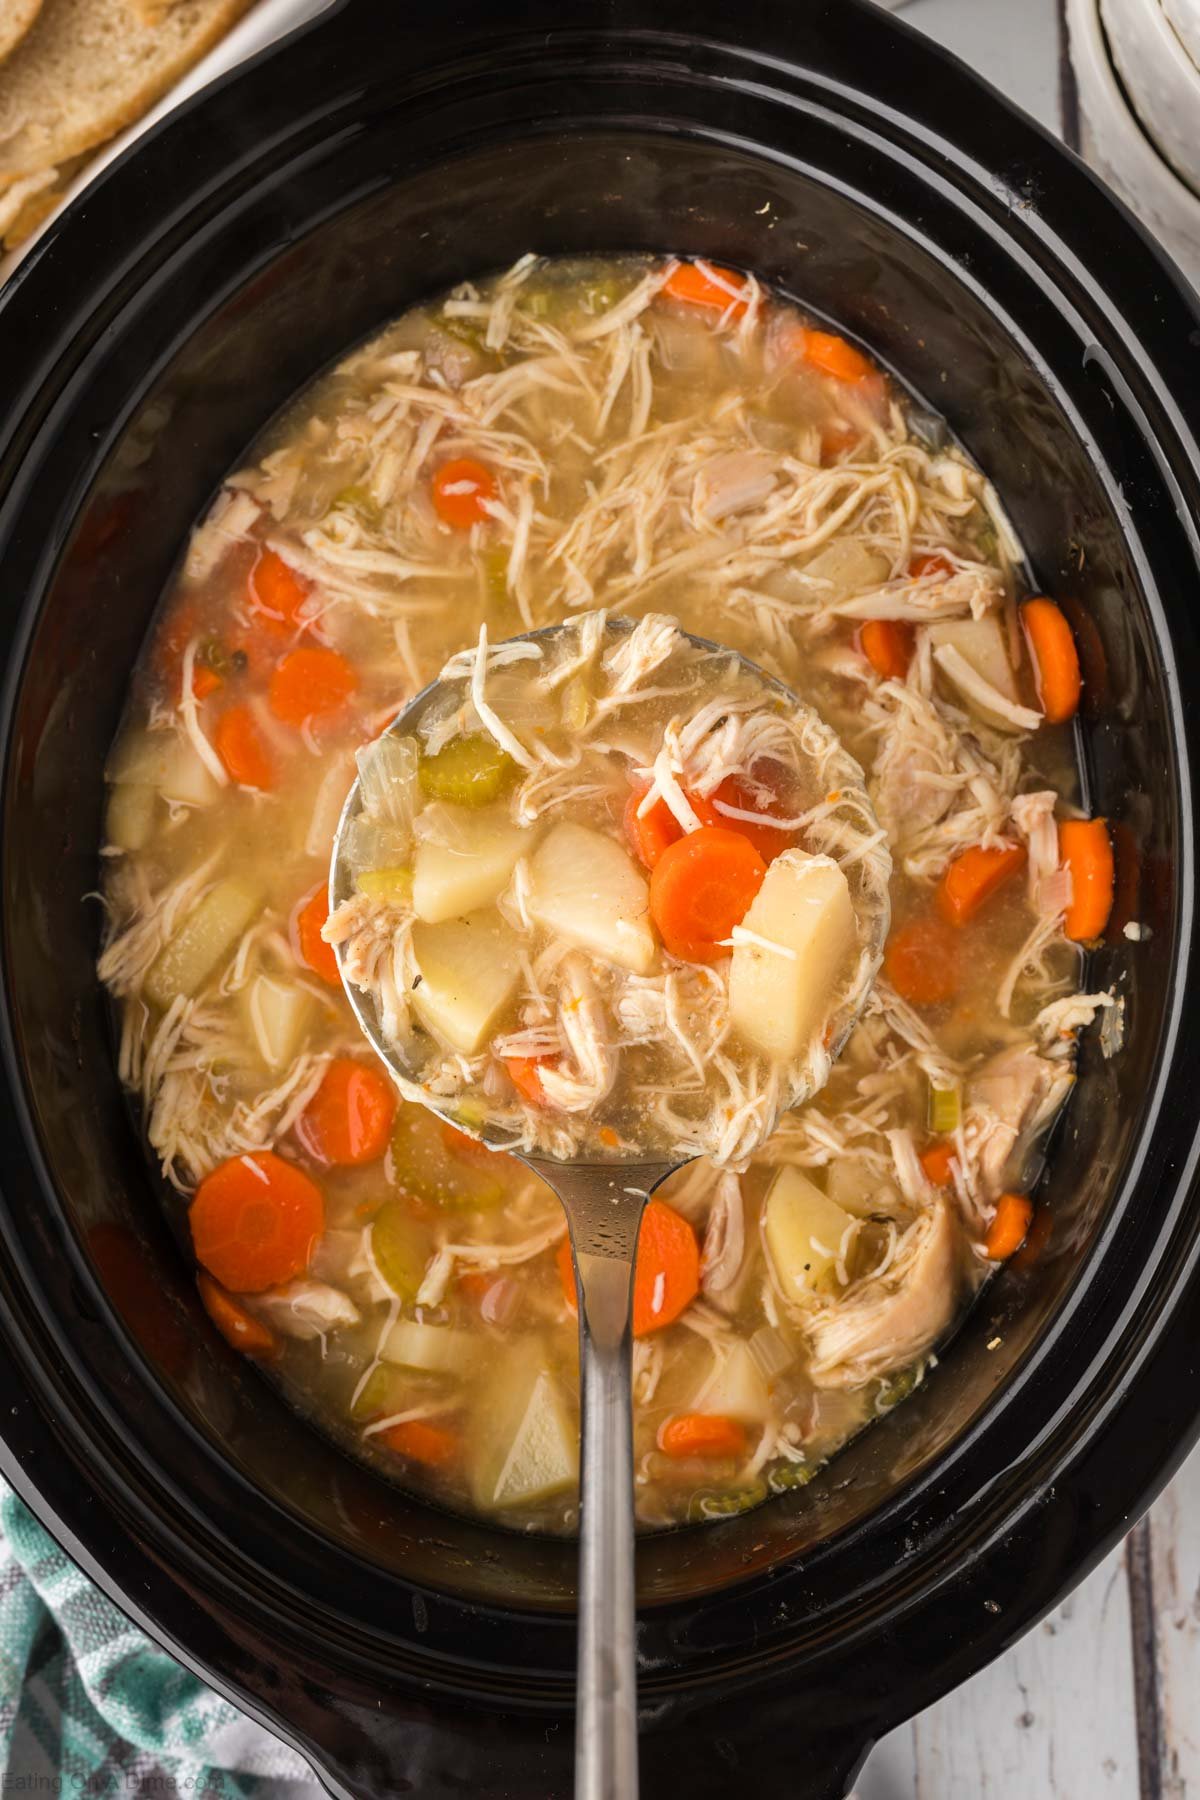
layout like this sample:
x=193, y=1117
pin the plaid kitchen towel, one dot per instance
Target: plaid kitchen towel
x=88, y=1705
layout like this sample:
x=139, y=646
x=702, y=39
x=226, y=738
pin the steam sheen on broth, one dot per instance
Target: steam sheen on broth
x=636, y=438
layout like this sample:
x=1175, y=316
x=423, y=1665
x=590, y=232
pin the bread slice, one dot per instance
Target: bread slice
x=88, y=68
x=16, y=16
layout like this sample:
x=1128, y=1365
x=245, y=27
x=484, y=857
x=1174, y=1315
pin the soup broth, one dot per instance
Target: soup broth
x=638, y=437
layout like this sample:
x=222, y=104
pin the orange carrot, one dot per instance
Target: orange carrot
x=974, y=876
x=235, y=1324
x=255, y=1221
x=306, y=930
x=474, y=1283
x=930, y=562
x=1085, y=847
x=205, y=681
x=461, y=489
x=837, y=439
x=921, y=962
x=707, y=284
x=888, y=646
x=1036, y=1240
x=653, y=832
x=468, y=1149
x=667, y=1276
x=524, y=1075
x=700, y=888
x=277, y=590
x=1009, y=1227
x=936, y=1162
x=310, y=683
x=831, y=355
x=1055, y=659
x=609, y=1138
x=242, y=749
x=349, y=1119
x=768, y=840
x=419, y=1441
x=702, y=1434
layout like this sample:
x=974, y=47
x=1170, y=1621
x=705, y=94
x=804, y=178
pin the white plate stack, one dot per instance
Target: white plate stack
x=1137, y=69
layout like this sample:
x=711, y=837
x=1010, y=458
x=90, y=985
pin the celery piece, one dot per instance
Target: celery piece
x=943, y=1110
x=791, y=1475
x=401, y=1248
x=420, y=1163
x=469, y=771
x=375, y=1395
x=706, y=1506
x=206, y=937
x=394, y=887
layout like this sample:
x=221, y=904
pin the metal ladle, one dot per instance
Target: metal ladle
x=604, y=1202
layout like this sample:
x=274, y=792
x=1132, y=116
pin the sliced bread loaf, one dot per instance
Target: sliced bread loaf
x=87, y=68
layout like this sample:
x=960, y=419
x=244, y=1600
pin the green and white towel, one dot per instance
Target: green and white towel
x=89, y=1706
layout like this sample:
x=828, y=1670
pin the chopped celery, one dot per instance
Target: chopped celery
x=203, y=941
x=469, y=771
x=898, y=1387
x=791, y=1475
x=702, y=1507
x=376, y=1394
x=392, y=886
x=421, y=1164
x=401, y=1248
x=943, y=1110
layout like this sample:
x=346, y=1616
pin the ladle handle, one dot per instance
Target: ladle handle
x=606, y=1749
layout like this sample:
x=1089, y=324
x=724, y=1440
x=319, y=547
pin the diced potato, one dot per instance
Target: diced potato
x=856, y=1190
x=779, y=1001
x=982, y=644
x=437, y=1349
x=849, y=568
x=450, y=879
x=203, y=941
x=278, y=1014
x=586, y=890
x=469, y=972
x=803, y=1229
x=164, y=760
x=736, y=1388
x=130, y=816
x=530, y=1444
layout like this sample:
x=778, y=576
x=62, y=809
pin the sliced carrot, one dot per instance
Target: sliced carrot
x=310, y=683
x=255, y=1221
x=768, y=840
x=700, y=888
x=608, y=1137
x=653, y=832
x=461, y=1144
x=707, y=284
x=970, y=881
x=702, y=1434
x=524, y=1073
x=1009, y=1226
x=349, y=1119
x=205, y=681
x=277, y=590
x=1085, y=848
x=235, y=1324
x=1055, y=659
x=474, y=1283
x=921, y=961
x=936, y=1160
x=667, y=1276
x=461, y=490
x=930, y=562
x=830, y=354
x=888, y=645
x=243, y=750
x=306, y=926
x=837, y=439
x=419, y=1441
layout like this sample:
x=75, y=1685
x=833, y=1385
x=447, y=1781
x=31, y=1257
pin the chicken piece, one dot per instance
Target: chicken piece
x=724, y=1237
x=588, y=1076
x=1010, y=1101
x=891, y=1321
x=306, y=1309
x=733, y=483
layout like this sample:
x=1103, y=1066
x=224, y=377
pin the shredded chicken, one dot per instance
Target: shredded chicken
x=892, y=1320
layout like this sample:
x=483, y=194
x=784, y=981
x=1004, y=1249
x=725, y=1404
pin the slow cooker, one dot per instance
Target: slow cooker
x=374, y=158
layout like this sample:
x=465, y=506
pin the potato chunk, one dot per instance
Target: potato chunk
x=586, y=890
x=469, y=972
x=466, y=865
x=529, y=1441
x=981, y=644
x=803, y=1228
x=736, y=1388
x=779, y=998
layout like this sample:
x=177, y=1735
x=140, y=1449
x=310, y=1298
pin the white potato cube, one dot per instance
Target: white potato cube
x=586, y=890
x=779, y=998
x=847, y=568
x=278, y=1014
x=469, y=972
x=982, y=644
x=803, y=1229
x=736, y=1388
x=469, y=868
x=542, y=1457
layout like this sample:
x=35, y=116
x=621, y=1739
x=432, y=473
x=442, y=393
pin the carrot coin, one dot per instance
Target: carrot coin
x=255, y=1221
x=349, y=1119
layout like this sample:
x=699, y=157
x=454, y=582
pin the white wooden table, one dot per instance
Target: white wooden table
x=1102, y=1700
